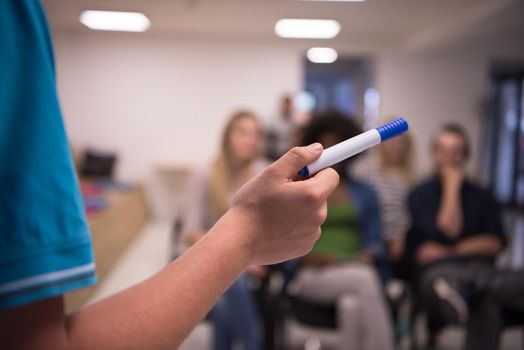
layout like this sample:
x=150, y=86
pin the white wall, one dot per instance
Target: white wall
x=432, y=88
x=164, y=100
x=160, y=100
x=429, y=91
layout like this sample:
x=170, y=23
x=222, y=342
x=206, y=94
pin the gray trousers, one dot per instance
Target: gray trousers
x=359, y=280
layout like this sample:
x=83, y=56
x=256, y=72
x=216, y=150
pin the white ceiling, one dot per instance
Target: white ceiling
x=375, y=24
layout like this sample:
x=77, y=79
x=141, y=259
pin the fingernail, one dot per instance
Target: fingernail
x=315, y=147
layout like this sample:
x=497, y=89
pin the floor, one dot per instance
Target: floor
x=149, y=253
x=146, y=255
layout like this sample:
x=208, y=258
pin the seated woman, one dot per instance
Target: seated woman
x=342, y=261
x=234, y=316
x=389, y=170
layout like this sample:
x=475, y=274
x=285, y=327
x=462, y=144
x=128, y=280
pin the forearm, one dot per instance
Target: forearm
x=161, y=311
x=481, y=245
x=449, y=216
x=264, y=227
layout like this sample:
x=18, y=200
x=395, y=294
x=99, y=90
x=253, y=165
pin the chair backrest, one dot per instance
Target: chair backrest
x=322, y=315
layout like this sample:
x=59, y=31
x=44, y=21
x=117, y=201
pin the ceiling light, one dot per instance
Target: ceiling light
x=307, y=28
x=322, y=55
x=335, y=0
x=113, y=20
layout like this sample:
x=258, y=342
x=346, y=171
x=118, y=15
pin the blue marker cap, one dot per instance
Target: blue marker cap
x=392, y=129
x=304, y=172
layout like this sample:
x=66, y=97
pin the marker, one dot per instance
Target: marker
x=355, y=145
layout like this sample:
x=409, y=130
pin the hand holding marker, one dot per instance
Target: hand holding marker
x=355, y=145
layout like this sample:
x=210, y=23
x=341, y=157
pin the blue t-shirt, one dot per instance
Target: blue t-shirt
x=45, y=245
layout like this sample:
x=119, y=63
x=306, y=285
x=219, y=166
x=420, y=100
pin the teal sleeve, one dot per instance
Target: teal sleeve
x=45, y=245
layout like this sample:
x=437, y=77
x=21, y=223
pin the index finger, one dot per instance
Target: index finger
x=324, y=181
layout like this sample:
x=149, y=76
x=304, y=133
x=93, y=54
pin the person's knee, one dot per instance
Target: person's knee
x=426, y=289
x=440, y=296
x=425, y=284
x=428, y=278
x=218, y=314
x=239, y=289
x=366, y=277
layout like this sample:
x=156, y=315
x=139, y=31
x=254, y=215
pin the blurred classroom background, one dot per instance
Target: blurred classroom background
x=145, y=105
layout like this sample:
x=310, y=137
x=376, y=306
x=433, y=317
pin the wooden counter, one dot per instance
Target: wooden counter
x=112, y=230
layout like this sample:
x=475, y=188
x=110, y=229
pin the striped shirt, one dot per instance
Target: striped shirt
x=392, y=189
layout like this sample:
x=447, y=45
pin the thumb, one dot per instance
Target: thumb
x=296, y=158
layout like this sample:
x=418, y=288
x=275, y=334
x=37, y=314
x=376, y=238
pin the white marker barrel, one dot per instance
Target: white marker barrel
x=355, y=145
x=344, y=150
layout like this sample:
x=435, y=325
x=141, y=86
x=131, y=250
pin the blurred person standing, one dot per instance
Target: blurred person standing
x=279, y=137
x=390, y=172
x=343, y=260
x=234, y=316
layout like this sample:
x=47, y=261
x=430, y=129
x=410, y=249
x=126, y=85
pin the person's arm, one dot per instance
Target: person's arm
x=396, y=237
x=395, y=248
x=485, y=244
x=449, y=215
x=481, y=245
x=194, y=212
x=272, y=219
x=370, y=227
x=155, y=314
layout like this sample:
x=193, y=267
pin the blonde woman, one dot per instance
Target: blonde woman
x=234, y=316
